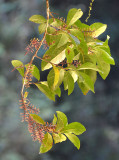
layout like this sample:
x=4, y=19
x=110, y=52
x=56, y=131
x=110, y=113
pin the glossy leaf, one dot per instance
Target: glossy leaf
x=81, y=26
x=42, y=28
x=56, y=78
x=37, y=19
x=74, y=127
x=74, y=139
x=55, y=55
x=105, y=56
x=54, y=120
x=62, y=39
x=46, y=143
x=98, y=28
x=57, y=91
x=58, y=138
x=88, y=65
x=35, y=71
x=85, y=81
x=61, y=121
x=19, y=64
x=55, y=22
x=69, y=54
x=37, y=118
x=77, y=33
x=74, y=75
x=73, y=15
x=45, y=89
x=68, y=82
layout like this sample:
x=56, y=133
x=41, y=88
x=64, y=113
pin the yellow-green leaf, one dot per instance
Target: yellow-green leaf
x=74, y=139
x=73, y=15
x=97, y=28
x=37, y=118
x=74, y=127
x=58, y=138
x=35, y=71
x=61, y=121
x=46, y=143
x=68, y=82
x=56, y=78
x=46, y=90
x=37, y=19
x=19, y=66
x=54, y=120
x=42, y=28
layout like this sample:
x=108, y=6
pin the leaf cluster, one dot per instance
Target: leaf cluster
x=74, y=55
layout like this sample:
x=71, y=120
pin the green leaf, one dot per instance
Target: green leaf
x=58, y=138
x=98, y=29
x=42, y=28
x=35, y=71
x=102, y=65
x=85, y=83
x=58, y=91
x=69, y=54
x=74, y=139
x=74, y=74
x=77, y=33
x=74, y=127
x=45, y=89
x=46, y=143
x=56, y=78
x=54, y=120
x=81, y=26
x=61, y=121
x=55, y=22
x=37, y=19
x=37, y=118
x=73, y=15
x=88, y=65
x=55, y=56
x=83, y=48
x=63, y=38
x=68, y=82
x=53, y=78
x=19, y=64
x=105, y=56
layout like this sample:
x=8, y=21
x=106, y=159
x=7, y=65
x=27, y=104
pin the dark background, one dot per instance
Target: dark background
x=98, y=112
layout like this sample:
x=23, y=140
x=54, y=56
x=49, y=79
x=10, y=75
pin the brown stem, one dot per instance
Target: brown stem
x=47, y=11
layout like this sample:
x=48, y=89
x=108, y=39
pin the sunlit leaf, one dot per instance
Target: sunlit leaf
x=61, y=120
x=42, y=28
x=55, y=55
x=68, y=82
x=56, y=78
x=45, y=89
x=19, y=66
x=85, y=82
x=73, y=15
x=37, y=118
x=74, y=139
x=54, y=120
x=88, y=65
x=69, y=54
x=101, y=52
x=98, y=28
x=58, y=138
x=46, y=143
x=35, y=71
x=37, y=19
x=74, y=127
